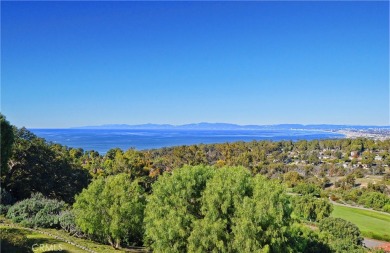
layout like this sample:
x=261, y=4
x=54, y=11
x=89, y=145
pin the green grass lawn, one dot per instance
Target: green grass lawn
x=41, y=243
x=44, y=243
x=371, y=224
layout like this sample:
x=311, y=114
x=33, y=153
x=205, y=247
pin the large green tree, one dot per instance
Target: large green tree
x=38, y=166
x=223, y=195
x=311, y=208
x=340, y=228
x=111, y=210
x=174, y=206
x=7, y=140
x=200, y=209
x=261, y=222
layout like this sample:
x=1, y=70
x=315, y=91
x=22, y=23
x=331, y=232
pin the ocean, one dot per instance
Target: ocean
x=102, y=140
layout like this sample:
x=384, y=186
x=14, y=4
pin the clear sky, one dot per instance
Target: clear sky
x=89, y=63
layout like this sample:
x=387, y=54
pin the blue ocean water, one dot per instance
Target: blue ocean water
x=102, y=140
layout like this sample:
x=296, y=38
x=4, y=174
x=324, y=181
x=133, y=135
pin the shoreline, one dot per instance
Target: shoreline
x=369, y=134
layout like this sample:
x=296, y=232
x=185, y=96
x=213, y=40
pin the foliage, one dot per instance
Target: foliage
x=36, y=166
x=37, y=211
x=6, y=200
x=262, y=220
x=7, y=140
x=13, y=240
x=224, y=193
x=386, y=208
x=292, y=178
x=4, y=209
x=111, y=210
x=307, y=189
x=374, y=200
x=67, y=221
x=340, y=228
x=173, y=207
x=198, y=209
x=305, y=239
x=311, y=208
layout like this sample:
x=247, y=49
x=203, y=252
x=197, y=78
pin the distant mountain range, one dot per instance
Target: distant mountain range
x=226, y=126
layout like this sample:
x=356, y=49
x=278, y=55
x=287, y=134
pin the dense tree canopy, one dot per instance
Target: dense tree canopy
x=198, y=209
x=224, y=193
x=7, y=140
x=111, y=210
x=174, y=206
x=342, y=235
x=228, y=197
x=312, y=208
x=37, y=166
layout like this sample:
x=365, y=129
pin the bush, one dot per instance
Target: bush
x=37, y=211
x=386, y=208
x=6, y=197
x=304, y=239
x=68, y=223
x=4, y=209
x=374, y=200
x=306, y=189
x=111, y=210
x=6, y=201
x=311, y=208
x=340, y=228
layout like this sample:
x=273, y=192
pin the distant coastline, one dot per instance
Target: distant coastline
x=376, y=134
x=229, y=126
x=102, y=140
x=151, y=136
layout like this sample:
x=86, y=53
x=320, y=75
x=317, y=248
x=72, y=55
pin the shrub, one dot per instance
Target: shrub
x=311, y=208
x=340, y=228
x=6, y=201
x=68, y=223
x=4, y=209
x=37, y=211
x=111, y=210
x=6, y=197
x=306, y=189
x=374, y=200
x=386, y=208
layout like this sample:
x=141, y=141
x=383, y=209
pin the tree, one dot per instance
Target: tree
x=311, y=208
x=262, y=220
x=37, y=166
x=307, y=189
x=7, y=140
x=292, y=178
x=339, y=228
x=224, y=193
x=111, y=210
x=174, y=206
x=374, y=200
x=305, y=239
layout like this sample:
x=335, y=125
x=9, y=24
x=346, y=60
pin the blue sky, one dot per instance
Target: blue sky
x=88, y=63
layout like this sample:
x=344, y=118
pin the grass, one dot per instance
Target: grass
x=95, y=246
x=42, y=243
x=372, y=224
x=45, y=243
